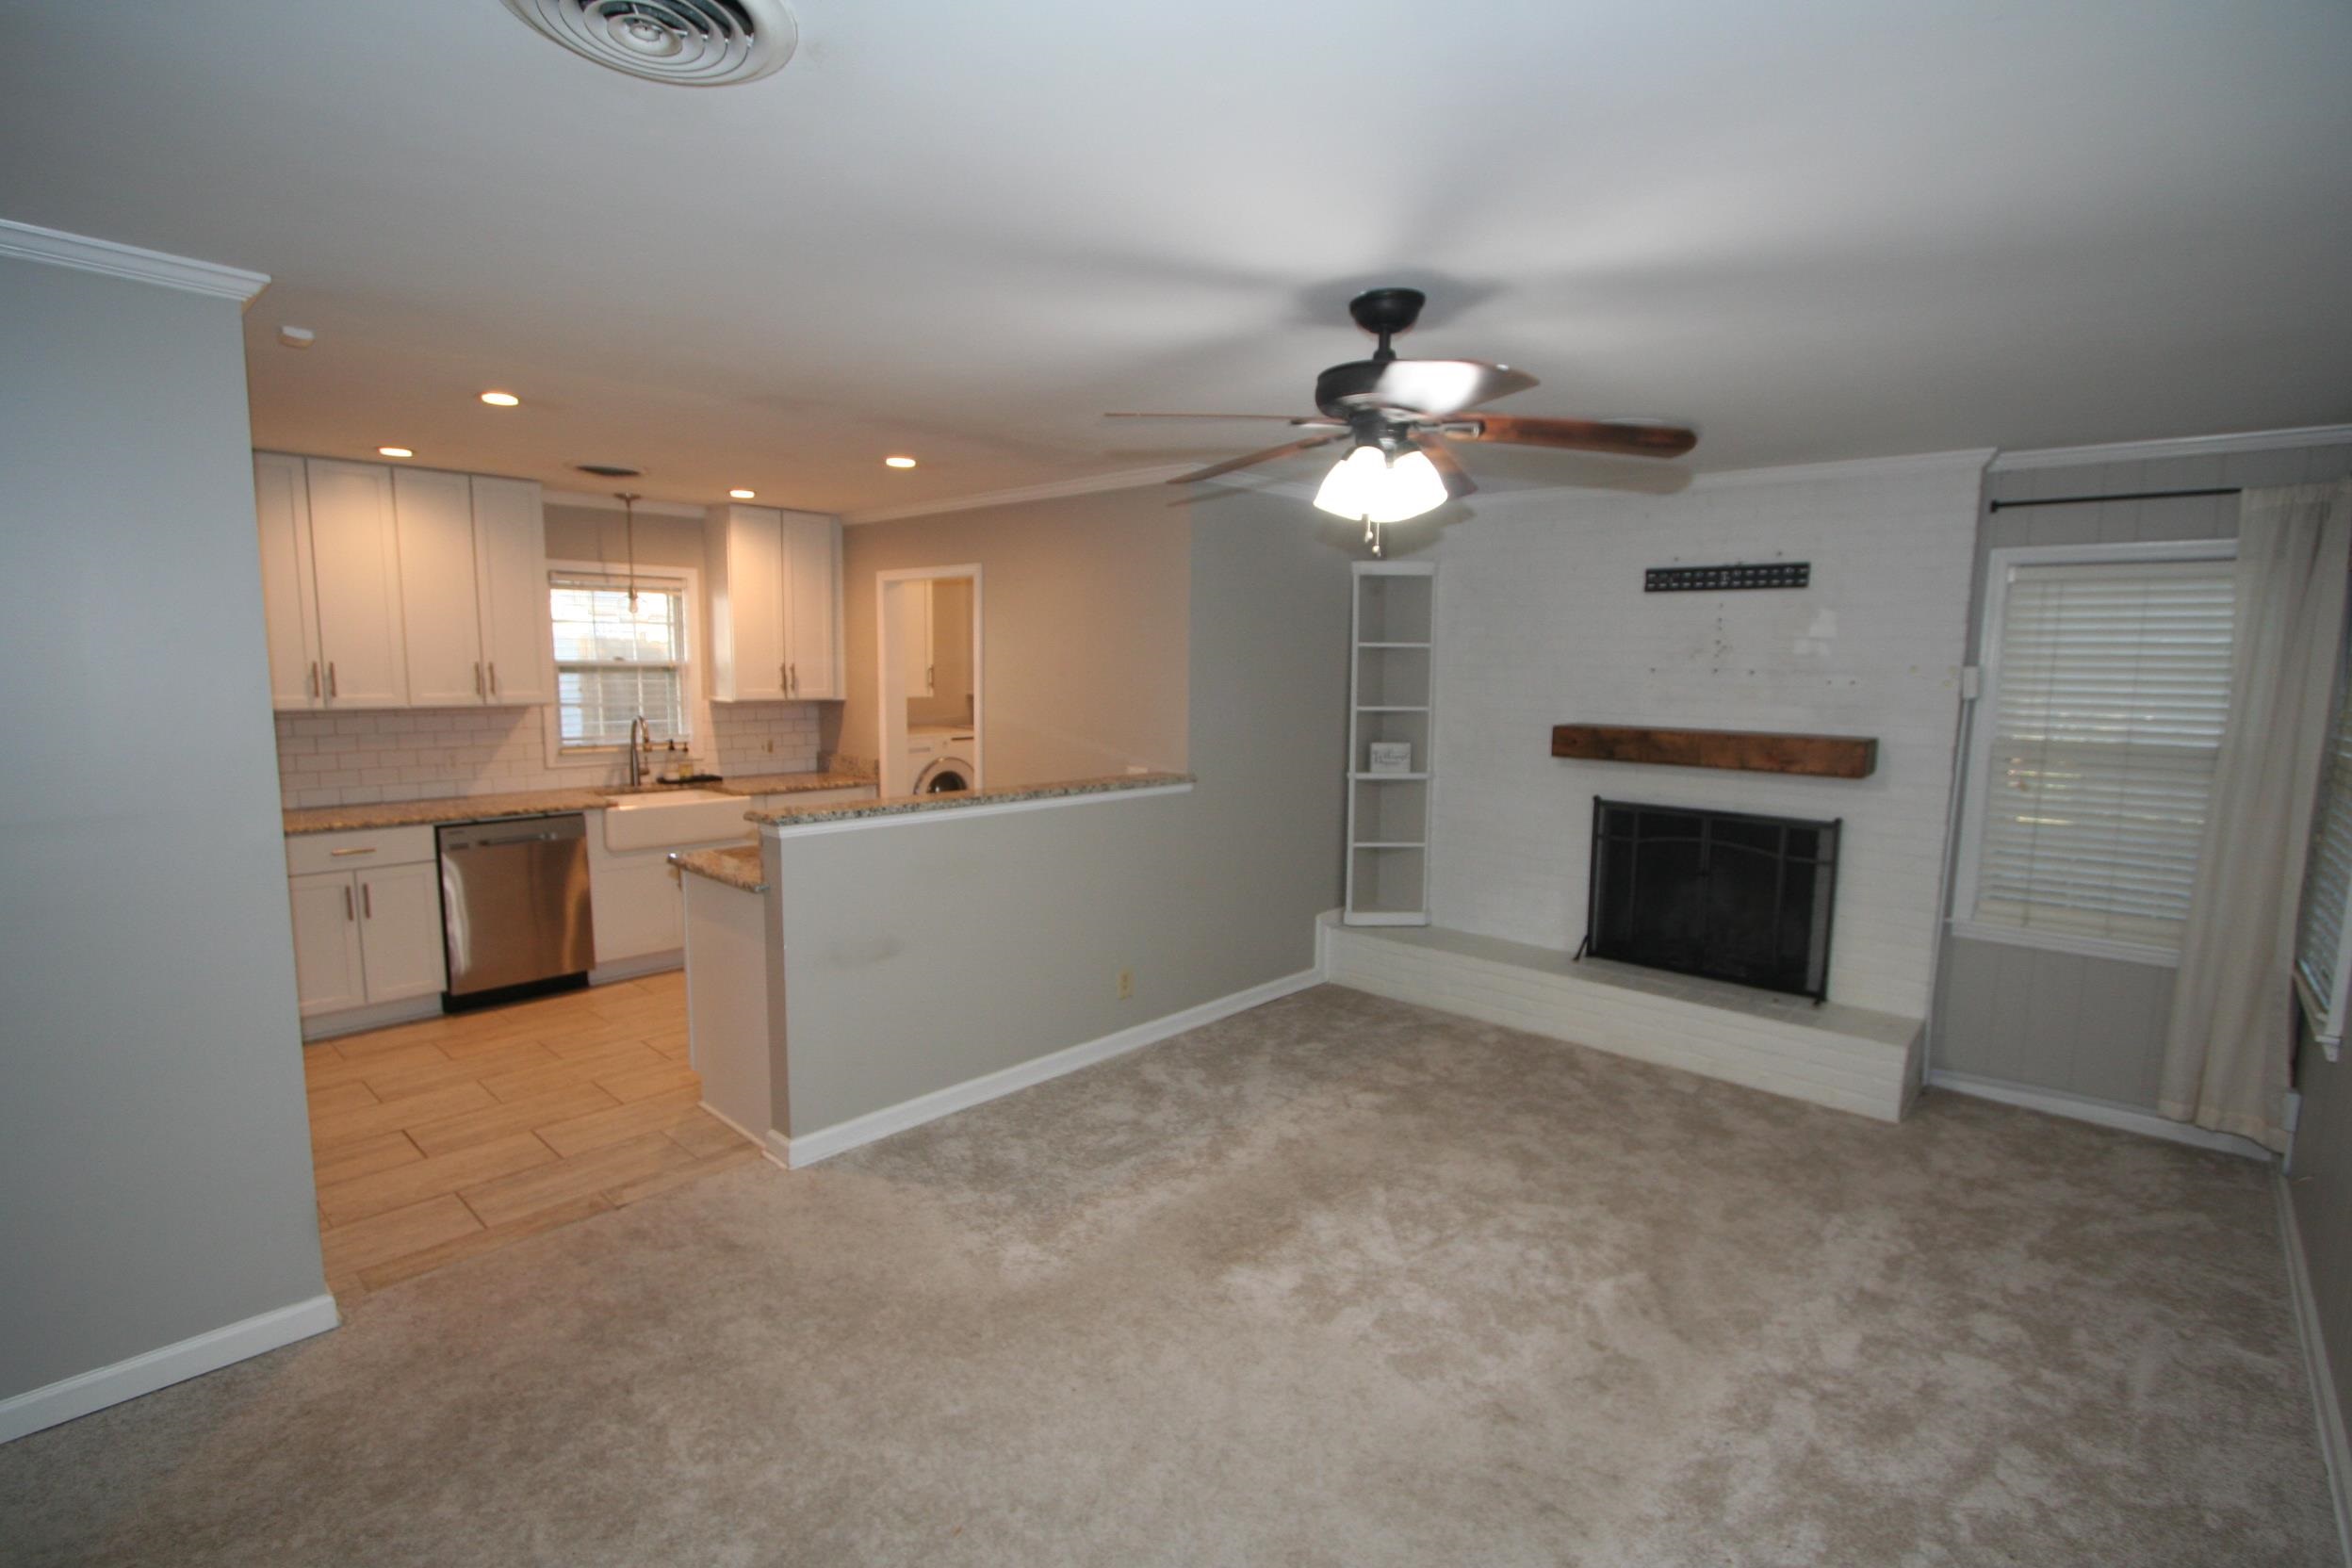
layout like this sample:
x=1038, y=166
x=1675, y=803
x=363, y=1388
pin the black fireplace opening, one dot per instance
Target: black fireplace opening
x=1724, y=894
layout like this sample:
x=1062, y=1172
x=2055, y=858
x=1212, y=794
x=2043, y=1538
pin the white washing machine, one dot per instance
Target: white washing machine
x=939, y=760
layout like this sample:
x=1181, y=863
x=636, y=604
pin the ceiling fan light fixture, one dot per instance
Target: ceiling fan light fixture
x=1365, y=487
x=1414, y=486
x=1348, y=489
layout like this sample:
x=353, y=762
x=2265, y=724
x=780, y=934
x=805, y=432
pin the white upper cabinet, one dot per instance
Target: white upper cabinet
x=812, y=560
x=393, y=588
x=510, y=591
x=289, y=603
x=355, y=562
x=918, y=639
x=435, y=515
x=745, y=550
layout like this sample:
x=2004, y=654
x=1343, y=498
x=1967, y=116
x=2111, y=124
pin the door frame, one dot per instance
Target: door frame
x=891, y=694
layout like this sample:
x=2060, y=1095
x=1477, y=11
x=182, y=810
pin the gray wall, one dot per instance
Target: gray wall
x=1082, y=618
x=928, y=953
x=2091, y=1027
x=155, y=1163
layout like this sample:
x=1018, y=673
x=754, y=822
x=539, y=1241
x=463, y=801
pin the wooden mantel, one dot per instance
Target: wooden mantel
x=1756, y=751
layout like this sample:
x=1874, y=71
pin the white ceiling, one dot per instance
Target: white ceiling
x=1819, y=230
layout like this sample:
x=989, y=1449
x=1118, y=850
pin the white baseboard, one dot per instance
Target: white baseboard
x=143, y=1373
x=2333, y=1446
x=2103, y=1113
x=639, y=967
x=381, y=1015
x=808, y=1148
x=768, y=1146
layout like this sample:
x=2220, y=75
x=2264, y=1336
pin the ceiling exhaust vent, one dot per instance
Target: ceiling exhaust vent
x=688, y=43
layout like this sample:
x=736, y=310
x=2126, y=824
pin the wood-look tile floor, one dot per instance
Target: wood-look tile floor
x=443, y=1138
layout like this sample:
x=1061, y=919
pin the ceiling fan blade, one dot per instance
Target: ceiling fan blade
x=1623, y=437
x=1293, y=419
x=1428, y=386
x=1286, y=450
x=1448, y=467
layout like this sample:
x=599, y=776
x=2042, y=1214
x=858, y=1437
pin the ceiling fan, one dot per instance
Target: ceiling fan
x=1401, y=415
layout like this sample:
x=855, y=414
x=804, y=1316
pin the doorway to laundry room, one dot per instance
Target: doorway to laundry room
x=929, y=656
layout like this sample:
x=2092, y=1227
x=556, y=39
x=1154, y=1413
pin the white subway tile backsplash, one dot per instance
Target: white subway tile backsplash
x=349, y=759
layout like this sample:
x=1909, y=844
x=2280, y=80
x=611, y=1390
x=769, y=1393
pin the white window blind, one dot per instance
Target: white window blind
x=2320, y=959
x=614, y=661
x=2108, y=688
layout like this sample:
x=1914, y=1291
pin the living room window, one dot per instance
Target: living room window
x=2105, y=682
x=617, y=657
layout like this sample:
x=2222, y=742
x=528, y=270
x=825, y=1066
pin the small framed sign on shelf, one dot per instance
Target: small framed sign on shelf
x=1389, y=757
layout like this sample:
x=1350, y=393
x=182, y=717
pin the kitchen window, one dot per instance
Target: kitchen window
x=2105, y=682
x=620, y=655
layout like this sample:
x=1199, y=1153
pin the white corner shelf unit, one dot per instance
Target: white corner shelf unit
x=1391, y=698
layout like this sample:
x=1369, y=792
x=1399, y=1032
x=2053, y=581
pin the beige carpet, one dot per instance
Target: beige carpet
x=1335, y=1282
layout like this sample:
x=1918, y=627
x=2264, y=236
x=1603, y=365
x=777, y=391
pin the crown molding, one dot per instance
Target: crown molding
x=1125, y=479
x=83, y=254
x=2183, y=446
x=1968, y=459
x=612, y=503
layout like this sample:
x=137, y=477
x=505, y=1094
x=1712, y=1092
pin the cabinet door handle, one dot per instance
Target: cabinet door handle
x=368, y=899
x=347, y=902
x=333, y=690
x=494, y=678
x=931, y=677
x=339, y=854
x=477, y=680
x=313, y=677
x=793, y=685
x=784, y=676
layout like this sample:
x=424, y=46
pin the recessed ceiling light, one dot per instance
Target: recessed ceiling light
x=396, y=452
x=297, y=337
x=500, y=399
x=898, y=462
x=742, y=495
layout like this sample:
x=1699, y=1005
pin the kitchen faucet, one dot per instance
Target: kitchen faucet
x=637, y=727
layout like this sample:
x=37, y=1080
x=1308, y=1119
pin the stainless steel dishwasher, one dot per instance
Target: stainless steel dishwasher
x=515, y=911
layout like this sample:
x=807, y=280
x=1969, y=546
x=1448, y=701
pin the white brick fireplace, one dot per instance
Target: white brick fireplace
x=1542, y=620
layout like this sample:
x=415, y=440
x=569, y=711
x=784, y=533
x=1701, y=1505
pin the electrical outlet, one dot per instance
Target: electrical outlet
x=1126, y=984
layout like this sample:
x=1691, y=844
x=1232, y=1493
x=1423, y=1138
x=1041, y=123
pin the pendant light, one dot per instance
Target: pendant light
x=629, y=533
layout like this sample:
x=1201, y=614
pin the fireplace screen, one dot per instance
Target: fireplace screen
x=1722, y=894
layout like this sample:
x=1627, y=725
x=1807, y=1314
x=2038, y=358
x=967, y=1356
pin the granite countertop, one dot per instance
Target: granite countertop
x=738, y=865
x=791, y=783
x=536, y=802
x=409, y=813
x=904, y=806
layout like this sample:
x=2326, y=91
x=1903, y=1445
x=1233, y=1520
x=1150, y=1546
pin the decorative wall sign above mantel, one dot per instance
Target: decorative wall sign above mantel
x=1754, y=574
x=1752, y=751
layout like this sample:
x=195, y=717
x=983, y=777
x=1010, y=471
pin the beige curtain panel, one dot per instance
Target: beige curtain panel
x=2228, y=1048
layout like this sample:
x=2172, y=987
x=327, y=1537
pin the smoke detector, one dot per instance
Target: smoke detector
x=687, y=42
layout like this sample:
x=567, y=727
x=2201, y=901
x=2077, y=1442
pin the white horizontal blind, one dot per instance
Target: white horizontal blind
x=614, y=661
x=2328, y=873
x=2111, y=687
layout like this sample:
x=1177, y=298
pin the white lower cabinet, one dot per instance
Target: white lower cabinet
x=326, y=974
x=399, y=931
x=367, y=919
x=638, y=907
